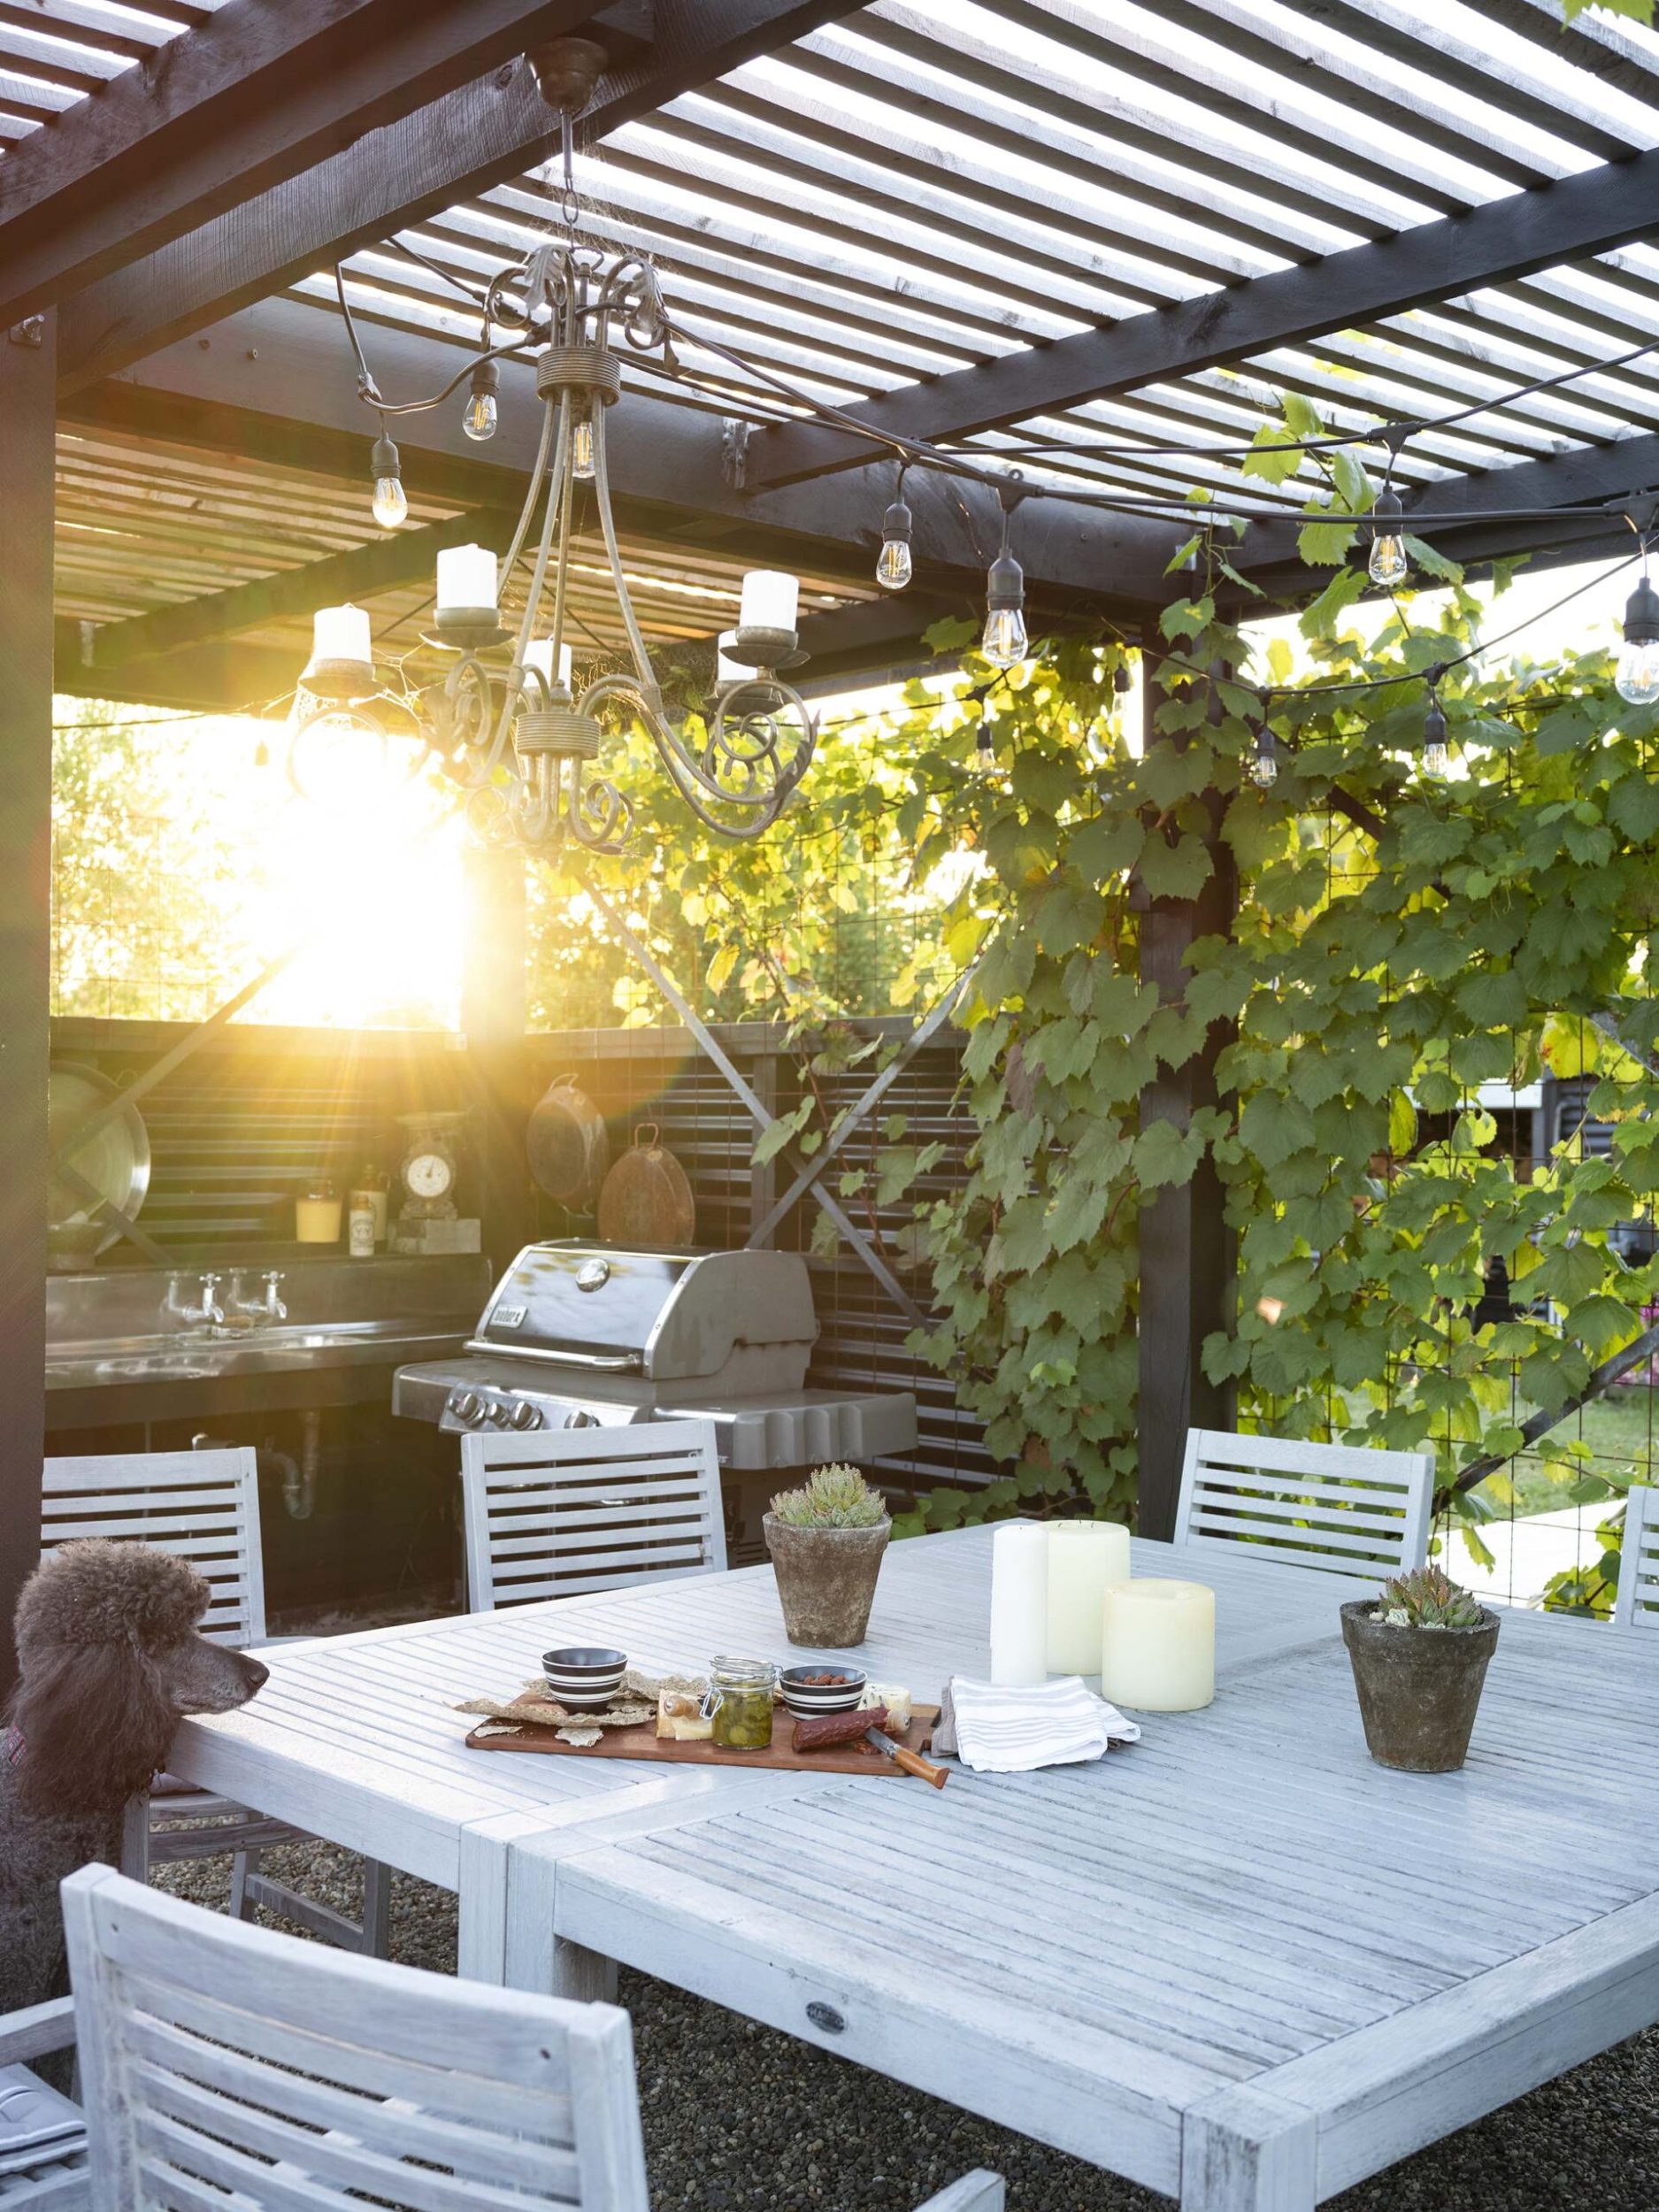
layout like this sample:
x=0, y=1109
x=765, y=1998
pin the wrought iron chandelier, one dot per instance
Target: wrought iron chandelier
x=513, y=733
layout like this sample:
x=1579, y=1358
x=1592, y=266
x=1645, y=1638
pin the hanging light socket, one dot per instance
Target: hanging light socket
x=1637, y=676
x=391, y=507
x=897, y=562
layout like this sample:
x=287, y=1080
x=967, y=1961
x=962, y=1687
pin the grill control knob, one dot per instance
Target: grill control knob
x=526, y=1416
x=466, y=1405
x=577, y=1419
x=495, y=1413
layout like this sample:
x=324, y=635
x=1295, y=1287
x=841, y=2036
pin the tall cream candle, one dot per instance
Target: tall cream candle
x=1019, y=1604
x=1084, y=1558
x=1158, y=1647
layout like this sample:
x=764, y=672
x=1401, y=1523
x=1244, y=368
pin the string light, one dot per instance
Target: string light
x=1637, y=676
x=482, y=410
x=1263, y=768
x=1436, y=758
x=390, y=504
x=1388, y=564
x=1004, y=643
x=896, y=566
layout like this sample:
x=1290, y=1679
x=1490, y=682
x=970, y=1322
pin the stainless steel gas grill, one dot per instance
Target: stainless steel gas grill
x=579, y=1333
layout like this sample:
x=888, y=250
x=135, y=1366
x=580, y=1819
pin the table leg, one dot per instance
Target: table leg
x=1248, y=2151
x=586, y=1976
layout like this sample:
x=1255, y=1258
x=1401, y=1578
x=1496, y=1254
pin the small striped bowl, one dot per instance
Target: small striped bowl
x=804, y=1698
x=584, y=1678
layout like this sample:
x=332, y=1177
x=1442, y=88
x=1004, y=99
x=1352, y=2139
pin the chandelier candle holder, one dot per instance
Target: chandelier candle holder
x=1085, y=1559
x=1019, y=1604
x=341, y=670
x=522, y=742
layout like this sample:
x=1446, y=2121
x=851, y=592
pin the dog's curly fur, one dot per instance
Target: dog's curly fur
x=109, y=1661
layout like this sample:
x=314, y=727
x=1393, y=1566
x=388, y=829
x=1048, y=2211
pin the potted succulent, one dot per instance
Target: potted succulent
x=1419, y=1654
x=827, y=1540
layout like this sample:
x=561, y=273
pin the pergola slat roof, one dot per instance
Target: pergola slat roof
x=1060, y=233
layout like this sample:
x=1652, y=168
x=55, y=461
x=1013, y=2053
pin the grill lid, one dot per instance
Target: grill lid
x=593, y=1304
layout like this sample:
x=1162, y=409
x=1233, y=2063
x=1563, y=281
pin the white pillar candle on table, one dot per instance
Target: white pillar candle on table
x=769, y=601
x=539, y=655
x=467, y=578
x=1019, y=1604
x=1158, y=1646
x=1084, y=1558
x=340, y=633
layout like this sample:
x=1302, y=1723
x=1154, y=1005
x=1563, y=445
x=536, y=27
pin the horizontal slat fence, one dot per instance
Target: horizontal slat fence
x=242, y=1127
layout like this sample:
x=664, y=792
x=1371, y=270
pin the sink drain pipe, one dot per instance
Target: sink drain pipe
x=299, y=1477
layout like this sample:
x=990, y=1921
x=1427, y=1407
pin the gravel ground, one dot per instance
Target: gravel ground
x=739, y=2118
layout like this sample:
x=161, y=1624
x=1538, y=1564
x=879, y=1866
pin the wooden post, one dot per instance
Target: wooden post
x=27, y=366
x=493, y=1016
x=1186, y=1255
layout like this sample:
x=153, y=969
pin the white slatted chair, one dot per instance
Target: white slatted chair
x=224, y=2065
x=557, y=1512
x=50, y=2176
x=1637, y=1605
x=204, y=1507
x=1334, y=1507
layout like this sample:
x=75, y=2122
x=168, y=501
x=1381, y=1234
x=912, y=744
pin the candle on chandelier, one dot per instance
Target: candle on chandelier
x=466, y=579
x=729, y=672
x=1084, y=1557
x=1158, y=1648
x=340, y=633
x=770, y=601
x=1019, y=1604
x=539, y=655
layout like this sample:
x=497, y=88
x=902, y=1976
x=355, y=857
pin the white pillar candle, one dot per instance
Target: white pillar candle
x=1084, y=1557
x=729, y=672
x=770, y=601
x=539, y=654
x=340, y=633
x=1158, y=1646
x=467, y=578
x=1019, y=1604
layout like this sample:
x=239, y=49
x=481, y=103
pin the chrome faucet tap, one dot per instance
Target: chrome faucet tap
x=207, y=1314
x=261, y=1311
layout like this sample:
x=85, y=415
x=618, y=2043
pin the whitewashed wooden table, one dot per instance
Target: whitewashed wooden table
x=354, y=1738
x=1239, y=1963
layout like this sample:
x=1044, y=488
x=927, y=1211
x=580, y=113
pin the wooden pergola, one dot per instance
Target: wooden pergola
x=1073, y=235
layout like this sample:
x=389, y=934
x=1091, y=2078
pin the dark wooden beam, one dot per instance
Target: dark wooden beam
x=213, y=678
x=400, y=557
x=25, y=832
x=257, y=96
x=1187, y=1267
x=481, y=135
x=275, y=383
x=1505, y=239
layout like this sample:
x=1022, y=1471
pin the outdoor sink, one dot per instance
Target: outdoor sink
x=201, y=1355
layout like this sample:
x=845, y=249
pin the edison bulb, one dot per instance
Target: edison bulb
x=1436, y=760
x=1637, y=676
x=1388, y=564
x=895, y=567
x=390, y=506
x=1004, y=642
x=1264, y=768
x=478, y=416
x=582, y=450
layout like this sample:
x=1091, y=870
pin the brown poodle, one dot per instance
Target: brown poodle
x=110, y=1662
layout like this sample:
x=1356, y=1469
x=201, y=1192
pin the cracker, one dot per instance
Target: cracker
x=582, y=1737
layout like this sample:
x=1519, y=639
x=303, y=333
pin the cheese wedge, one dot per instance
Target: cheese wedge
x=897, y=1700
x=680, y=1719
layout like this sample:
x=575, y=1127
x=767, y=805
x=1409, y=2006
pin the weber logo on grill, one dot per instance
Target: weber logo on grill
x=511, y=1317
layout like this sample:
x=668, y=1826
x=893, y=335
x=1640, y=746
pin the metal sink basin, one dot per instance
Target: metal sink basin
x=200, y=1355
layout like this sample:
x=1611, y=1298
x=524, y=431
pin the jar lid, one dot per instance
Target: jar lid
x=322, y=1188
x=759, y=1673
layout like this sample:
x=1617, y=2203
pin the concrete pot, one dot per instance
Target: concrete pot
x=826, y=1579
x=1419, y=1688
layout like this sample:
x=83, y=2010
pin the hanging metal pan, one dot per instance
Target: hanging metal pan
x=647, y=1200
x=115, y=1161
x=566, y=1144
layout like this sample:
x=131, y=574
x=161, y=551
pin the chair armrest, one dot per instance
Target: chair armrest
x=35, y=2030
x=977, y=2191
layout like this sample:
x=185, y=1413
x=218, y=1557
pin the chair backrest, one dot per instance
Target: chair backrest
x=202, y=1505
x=1346, y=1511
x=554, y=1512
x=1637, y=1605
x=219, y=2057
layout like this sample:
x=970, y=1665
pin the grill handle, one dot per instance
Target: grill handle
x=611, y=1362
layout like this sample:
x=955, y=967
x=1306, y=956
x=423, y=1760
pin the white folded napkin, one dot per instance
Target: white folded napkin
x=995, y=1730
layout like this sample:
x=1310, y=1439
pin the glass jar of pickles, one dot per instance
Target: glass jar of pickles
x=739, y=1702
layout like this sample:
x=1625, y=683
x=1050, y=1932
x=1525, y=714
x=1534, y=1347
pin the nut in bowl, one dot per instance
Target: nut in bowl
x=584, y=1678
x=809, y=1690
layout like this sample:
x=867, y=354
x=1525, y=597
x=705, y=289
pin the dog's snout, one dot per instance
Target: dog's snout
x=258, y=1673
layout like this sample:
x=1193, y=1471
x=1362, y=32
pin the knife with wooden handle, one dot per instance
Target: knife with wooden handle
x=910, y=1761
